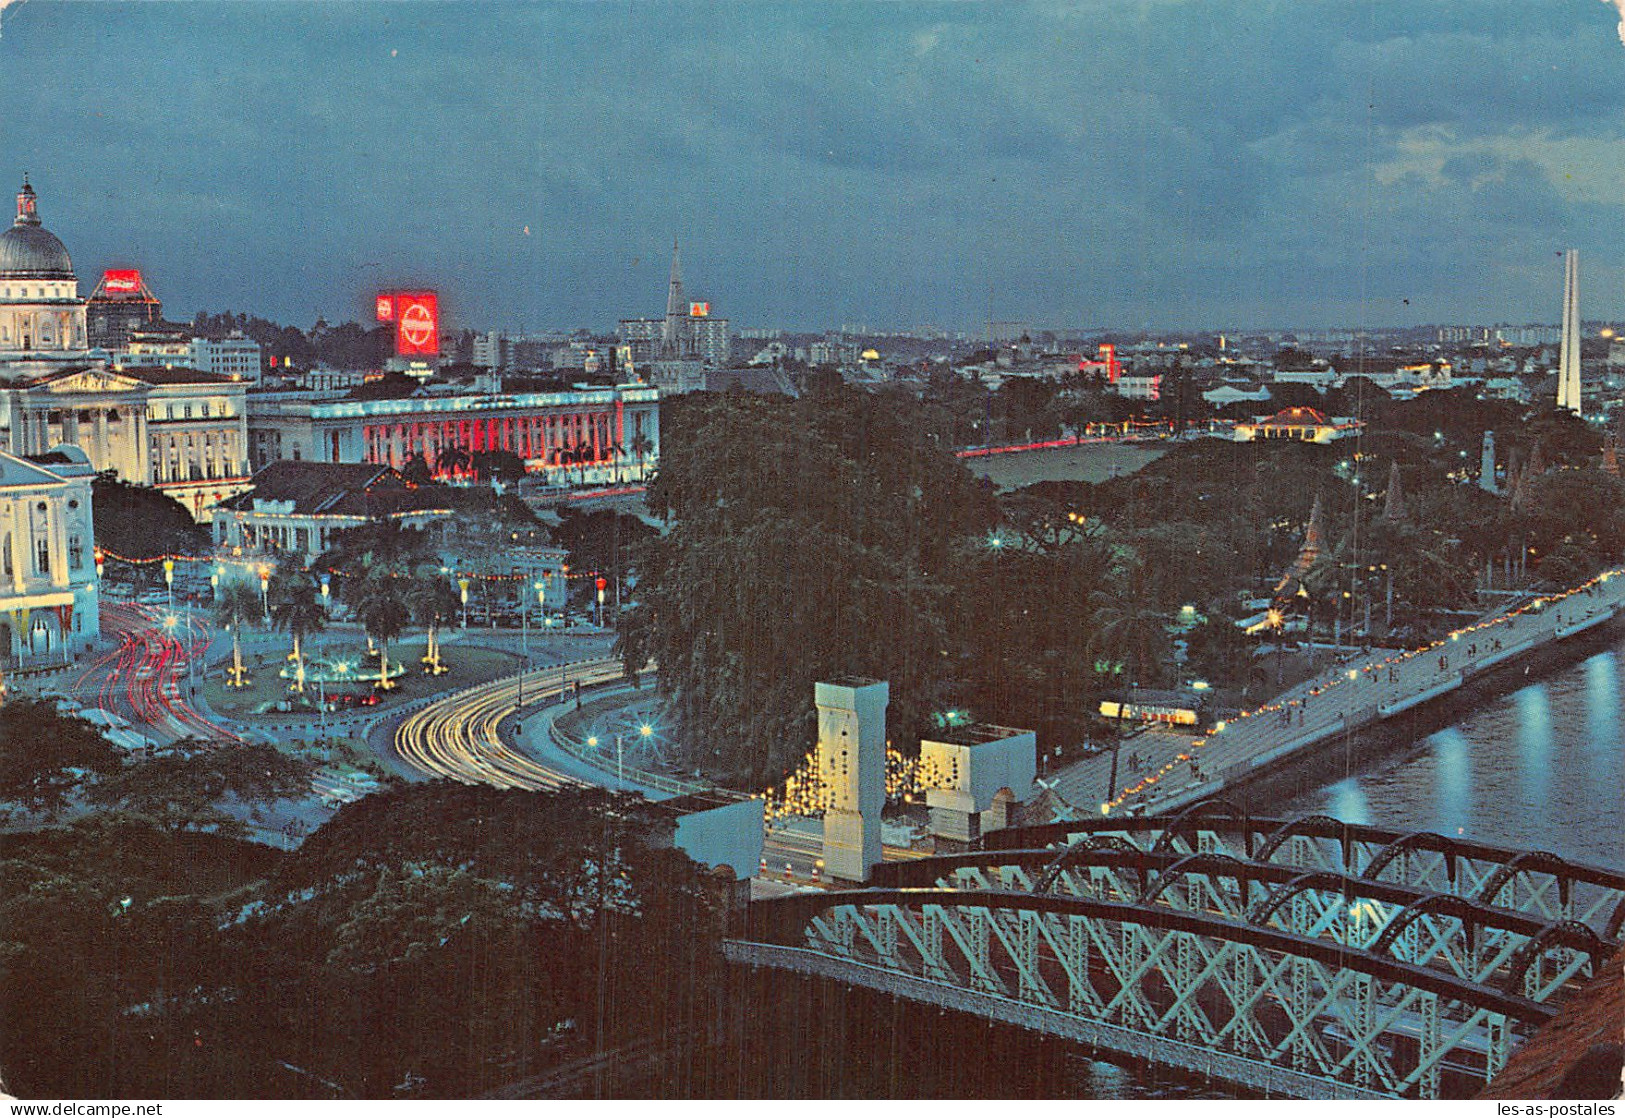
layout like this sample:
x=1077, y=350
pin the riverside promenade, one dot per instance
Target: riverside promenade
x=1165, y=770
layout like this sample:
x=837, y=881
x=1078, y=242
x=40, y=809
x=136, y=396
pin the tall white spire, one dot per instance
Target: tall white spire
x=671, y=333
x=1568, y=364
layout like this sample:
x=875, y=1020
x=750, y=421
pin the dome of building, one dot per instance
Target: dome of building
x=28, y=250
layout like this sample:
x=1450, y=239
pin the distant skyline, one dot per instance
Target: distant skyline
x=1123, y=164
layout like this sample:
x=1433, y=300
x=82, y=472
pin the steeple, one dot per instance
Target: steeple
x=674, y=293
x=27, y=213
x=672, y=335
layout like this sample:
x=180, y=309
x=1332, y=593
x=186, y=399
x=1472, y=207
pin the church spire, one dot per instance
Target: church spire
x=27, y=213
x=672, y=338
x=674, y=293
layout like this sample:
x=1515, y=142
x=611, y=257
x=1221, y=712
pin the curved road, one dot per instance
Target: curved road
x=457, y=736
x=144, y=678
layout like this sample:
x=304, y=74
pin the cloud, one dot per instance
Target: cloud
x=1122, y=161
x=1620, y=5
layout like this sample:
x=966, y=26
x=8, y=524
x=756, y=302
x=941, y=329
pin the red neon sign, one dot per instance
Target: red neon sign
x=121, y=281
x=416, y=315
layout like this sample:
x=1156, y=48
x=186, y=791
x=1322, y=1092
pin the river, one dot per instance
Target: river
x=1540, y=767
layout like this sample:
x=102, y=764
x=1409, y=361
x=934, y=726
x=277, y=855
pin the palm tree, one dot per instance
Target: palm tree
x=1132, y=632
x=641, y=447
x=1318, y=592
x=432, y=600
x=295, y=610
x=451, y=460
x=381, y=609
x=236, y=603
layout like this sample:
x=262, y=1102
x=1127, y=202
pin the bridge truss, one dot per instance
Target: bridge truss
x=1305, y=957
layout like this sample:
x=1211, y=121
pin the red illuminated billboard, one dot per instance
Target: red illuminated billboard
x=416, y=315
x=121, y=281
x=699, y=310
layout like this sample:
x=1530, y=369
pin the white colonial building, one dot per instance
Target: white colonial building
x=299, y=508
x=1304, y=425
x=42, y=318
x=586, y=435
x=175, y=428
x=48, y=584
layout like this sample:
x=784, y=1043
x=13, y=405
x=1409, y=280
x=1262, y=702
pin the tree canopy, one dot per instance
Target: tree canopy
x=808, y=538
x=139, y=522
x=434, y=940
x=46, y=755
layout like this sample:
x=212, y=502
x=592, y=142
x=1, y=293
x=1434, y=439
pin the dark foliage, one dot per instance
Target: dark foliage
x=433, y=941
x=138, y=522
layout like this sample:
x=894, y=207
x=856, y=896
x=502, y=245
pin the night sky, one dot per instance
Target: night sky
x=1115, y=163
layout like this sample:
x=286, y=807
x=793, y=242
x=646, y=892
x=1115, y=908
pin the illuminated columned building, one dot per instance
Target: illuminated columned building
x=180, y=429
x=42, y=318
x=585, y=435
x=48, y=583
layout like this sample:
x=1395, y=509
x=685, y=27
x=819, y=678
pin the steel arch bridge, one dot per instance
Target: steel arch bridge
x=1304, y=957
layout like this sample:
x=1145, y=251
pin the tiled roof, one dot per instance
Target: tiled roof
x=160, y=374
x=339, y=489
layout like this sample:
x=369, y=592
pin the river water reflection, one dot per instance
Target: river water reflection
x=1542, y=768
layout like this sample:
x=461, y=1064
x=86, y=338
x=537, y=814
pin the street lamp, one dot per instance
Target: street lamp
x=462, y=590
x=265, y=591
x=169, y=582
x=321, y=697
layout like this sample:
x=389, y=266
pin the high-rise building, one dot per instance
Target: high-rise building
x=234, y=356
x=852, y=765
x=121, y=305
x=1568, y=362
x=492, y=351
x=642, y=336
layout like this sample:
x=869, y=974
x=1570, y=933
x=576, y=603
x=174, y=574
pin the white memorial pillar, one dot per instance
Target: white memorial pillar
x=852, y=763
